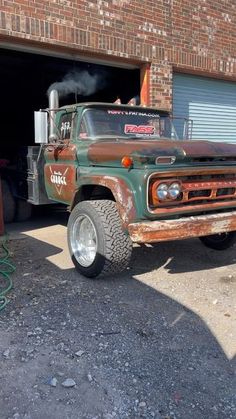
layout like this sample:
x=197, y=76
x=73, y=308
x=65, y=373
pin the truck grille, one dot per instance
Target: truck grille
x=203, y=192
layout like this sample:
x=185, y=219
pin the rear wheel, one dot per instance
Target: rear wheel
x=97, y=243
x=220, y=241
x=23, y=210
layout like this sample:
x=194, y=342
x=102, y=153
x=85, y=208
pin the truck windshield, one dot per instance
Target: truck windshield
x=127, y=123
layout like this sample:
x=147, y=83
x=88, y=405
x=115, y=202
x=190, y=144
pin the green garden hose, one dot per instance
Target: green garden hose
x=6, y=268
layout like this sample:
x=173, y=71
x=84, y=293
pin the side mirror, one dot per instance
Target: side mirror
x=41, y=127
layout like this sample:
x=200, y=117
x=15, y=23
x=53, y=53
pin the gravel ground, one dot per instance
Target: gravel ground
x=157, y=341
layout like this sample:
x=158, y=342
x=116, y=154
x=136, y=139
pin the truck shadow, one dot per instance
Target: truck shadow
x=179, y=257
x=139, y=345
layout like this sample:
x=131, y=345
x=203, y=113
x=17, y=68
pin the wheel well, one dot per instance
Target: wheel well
x=92, y=192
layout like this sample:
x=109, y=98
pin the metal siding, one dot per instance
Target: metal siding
x=211, y=104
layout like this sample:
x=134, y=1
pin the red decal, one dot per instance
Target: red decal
x=139, y=129
x=58, y=179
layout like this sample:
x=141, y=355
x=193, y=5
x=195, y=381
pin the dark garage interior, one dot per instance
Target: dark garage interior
x=25, y=79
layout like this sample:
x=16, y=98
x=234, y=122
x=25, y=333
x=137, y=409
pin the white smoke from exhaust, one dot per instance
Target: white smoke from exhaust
x=78, y=82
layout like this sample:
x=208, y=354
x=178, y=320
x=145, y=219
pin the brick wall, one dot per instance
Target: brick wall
x=188, y=35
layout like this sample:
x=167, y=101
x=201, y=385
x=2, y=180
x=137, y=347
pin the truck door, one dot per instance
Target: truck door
x=61, y=161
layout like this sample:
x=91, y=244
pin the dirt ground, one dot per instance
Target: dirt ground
x=157, y=341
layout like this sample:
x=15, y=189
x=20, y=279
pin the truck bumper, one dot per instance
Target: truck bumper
x=183, y=228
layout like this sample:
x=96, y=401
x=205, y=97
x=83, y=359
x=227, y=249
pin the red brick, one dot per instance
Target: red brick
x=166, y=34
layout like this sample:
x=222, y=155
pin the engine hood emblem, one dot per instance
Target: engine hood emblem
x=165, y=159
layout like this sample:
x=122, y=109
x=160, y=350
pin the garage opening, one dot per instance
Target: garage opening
x=24, y=80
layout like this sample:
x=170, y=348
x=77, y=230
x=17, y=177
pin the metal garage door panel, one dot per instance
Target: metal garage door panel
x=211, y=104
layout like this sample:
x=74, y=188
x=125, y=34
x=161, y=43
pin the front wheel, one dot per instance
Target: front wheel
x=221, y=241
x=98, y=246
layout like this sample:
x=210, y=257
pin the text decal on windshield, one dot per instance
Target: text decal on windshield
x=139, y=129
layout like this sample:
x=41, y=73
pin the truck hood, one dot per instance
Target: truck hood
x=145, y=152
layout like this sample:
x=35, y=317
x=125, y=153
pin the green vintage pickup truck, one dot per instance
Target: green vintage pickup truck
x=127, y=177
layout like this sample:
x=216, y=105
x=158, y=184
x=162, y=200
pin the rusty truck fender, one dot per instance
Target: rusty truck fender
x=120, y=190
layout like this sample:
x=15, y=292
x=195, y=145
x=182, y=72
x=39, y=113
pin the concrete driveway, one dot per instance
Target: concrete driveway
x=158, y=341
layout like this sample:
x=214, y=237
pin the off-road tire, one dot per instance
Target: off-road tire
x=219, y=241
x=23, y=210
x=9, y=204
x=114, y=247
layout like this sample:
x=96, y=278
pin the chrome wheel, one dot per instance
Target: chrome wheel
x=84, y=241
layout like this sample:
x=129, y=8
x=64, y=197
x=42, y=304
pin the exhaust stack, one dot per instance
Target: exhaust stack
x=53, y=105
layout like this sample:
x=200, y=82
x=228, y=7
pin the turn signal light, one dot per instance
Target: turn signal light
x=127, y=162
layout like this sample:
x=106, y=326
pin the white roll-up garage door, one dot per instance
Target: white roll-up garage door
x=209, y=103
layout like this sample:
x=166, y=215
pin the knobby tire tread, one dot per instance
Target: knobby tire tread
x=118, y=245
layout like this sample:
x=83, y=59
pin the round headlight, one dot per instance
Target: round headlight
x=174, y=190
x=162, y=191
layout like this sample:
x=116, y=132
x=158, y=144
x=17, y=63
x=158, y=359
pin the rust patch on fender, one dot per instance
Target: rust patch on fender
x=122, y=195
